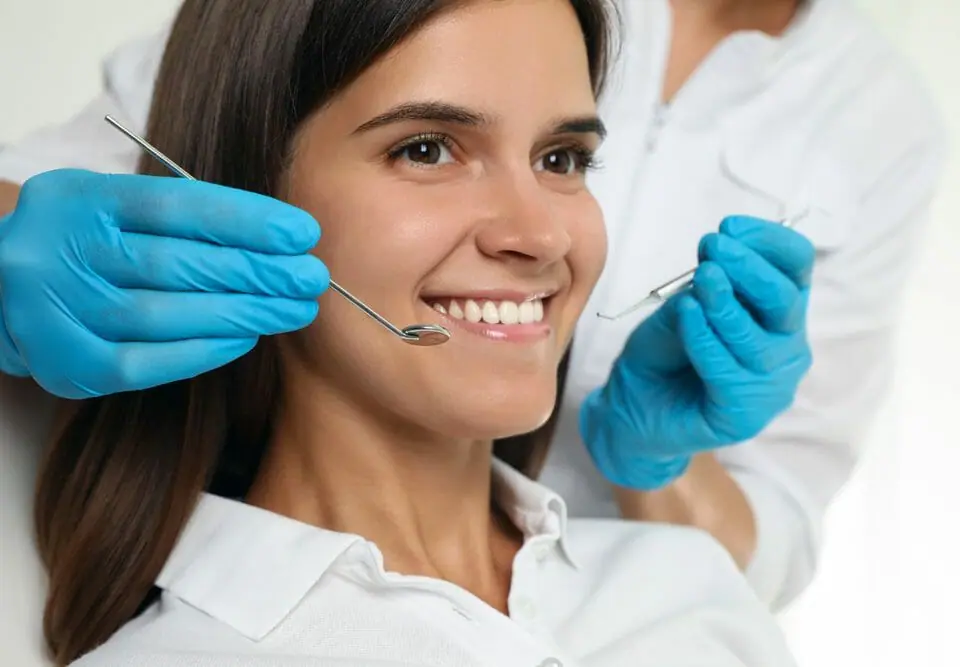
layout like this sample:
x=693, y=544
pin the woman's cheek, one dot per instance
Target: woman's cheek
x=589, y=245
x=413, y=234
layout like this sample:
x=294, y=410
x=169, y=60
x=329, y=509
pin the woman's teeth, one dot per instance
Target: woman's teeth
x=502, y=312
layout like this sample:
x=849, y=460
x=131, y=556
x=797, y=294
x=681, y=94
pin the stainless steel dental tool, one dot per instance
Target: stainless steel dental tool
x=415, y=334
x=660, y=294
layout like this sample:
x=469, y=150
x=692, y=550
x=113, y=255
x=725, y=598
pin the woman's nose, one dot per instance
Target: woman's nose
x=525, y=224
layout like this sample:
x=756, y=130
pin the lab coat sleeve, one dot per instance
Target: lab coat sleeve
x=85, y=140
x=792, y=471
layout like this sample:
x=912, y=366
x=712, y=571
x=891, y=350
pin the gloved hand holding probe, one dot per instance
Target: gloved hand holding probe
x=113, y=283
x=714, y=365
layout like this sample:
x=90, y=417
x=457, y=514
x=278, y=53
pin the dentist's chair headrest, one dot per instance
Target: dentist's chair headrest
x=26, y=415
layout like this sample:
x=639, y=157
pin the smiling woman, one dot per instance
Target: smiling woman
x=335, y=495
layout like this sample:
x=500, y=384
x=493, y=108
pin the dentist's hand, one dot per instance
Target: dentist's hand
x=112, y=283
x=714, y=365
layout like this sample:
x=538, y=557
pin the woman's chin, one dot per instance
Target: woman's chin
x=494, y=420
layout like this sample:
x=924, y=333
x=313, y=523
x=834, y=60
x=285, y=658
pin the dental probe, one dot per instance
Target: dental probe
x=660, y=294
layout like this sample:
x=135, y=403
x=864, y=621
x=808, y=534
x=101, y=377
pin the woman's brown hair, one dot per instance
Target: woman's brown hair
x=123, y=473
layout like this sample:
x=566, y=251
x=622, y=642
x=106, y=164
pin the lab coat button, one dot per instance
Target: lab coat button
x=550, y=662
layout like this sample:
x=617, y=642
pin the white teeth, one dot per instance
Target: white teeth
x=491, y=314
x=506, y=312
x=472, y=311
x=525, y=313
x=509, y=312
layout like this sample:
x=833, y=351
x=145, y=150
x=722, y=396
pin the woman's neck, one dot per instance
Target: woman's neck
x=422, y=499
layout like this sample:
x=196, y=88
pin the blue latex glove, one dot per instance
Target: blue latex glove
x=112, y=283
x=714, y=365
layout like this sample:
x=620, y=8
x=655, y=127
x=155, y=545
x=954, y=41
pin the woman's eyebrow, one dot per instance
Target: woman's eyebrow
x=435, y=111
x=581, y=125
x=444, y=112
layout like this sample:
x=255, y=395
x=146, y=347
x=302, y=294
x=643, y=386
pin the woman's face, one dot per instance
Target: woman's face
x=449, y=184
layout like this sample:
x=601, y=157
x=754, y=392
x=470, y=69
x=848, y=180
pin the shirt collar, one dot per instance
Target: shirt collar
x=249, y=568
x=534, y=509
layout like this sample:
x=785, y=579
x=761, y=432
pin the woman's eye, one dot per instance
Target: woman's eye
x=429, y=152
x=565, y=161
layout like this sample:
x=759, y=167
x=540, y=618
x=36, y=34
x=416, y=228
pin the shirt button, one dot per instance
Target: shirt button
x=542, y=551
x=550, y=662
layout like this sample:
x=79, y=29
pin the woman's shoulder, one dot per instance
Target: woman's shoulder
x=678, y=566
x=597, y=540
x=671, y=593
x=169, y=633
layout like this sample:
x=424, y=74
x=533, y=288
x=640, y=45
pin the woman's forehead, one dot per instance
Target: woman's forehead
x=491, y=57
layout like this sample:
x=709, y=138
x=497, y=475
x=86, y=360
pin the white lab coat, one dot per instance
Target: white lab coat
x=829, y=117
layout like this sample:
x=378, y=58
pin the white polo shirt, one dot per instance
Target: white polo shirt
x=248, y=588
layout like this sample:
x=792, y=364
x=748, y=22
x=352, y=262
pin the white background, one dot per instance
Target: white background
x=889, y=588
